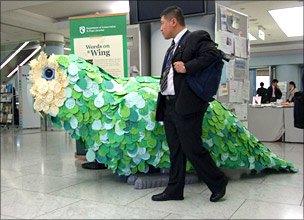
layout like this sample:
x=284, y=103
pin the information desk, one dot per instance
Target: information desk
x=272, y=123
x=292, y=134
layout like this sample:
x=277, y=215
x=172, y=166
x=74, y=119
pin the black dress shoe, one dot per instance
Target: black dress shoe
x=220, y=194
x=93, y=166
x=165, y=197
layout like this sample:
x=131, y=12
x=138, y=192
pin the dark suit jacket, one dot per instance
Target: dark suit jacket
x=263, y=93
x=277, y=92
x=197, y=54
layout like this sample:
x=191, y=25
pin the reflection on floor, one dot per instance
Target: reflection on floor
x=41, y=179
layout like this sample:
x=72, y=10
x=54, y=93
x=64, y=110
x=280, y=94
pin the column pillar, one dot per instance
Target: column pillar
x=54, y=44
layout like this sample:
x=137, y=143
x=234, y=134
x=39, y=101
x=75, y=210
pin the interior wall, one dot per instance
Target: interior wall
x=262, y=60
x=291, y=72
x=287, y=66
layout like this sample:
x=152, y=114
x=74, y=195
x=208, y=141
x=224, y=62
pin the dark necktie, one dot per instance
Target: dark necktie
x=167, y=66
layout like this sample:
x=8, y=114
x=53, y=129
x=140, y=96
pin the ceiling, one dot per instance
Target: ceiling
x=276, y=42
x=258, y=15
x=28, y=20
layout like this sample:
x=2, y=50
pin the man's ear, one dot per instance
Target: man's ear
x=174, y=22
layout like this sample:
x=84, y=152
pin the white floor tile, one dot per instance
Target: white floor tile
x=239, y=189
x=264, y=192
x=183, y=216
x=10, y=174
x=195, y=188
x=264, y=210
x=285, y=179
x=109, y=191
x=26, y=204
x=4, y=188
x=54, y=167
x=86, y=174
x=193, y=204
x=41, y=183
x=92, y=210
x=41, y=167
x=7, y=217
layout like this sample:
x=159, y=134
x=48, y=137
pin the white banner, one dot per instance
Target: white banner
x=104, y=51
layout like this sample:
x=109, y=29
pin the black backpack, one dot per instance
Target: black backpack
x=205, y=83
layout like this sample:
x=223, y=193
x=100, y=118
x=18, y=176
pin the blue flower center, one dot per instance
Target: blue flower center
x=48, y=73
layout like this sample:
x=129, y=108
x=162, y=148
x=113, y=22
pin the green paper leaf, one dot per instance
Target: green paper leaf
x=82, y=83
x=63, y=61
x=125, y=112
x=90, y=155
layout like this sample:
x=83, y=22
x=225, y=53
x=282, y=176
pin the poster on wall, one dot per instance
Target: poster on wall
x=101, y=40
x=241, y=111
x=226, y=42
x=240, y=47
x=235, y=91
x=232, y=21
x=223, y=90
x=239, y=69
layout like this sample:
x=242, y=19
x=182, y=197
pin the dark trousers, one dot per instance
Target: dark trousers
x=183, y=133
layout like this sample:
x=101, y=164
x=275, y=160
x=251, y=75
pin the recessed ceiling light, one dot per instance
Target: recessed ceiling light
x=290, y=20
x=120, y=6
x=24, y=61
x=251, y=37
x=261, y=32
x=14, y=54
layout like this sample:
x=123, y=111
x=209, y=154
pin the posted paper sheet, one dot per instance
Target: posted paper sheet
x=240, y=46
x=226, y=43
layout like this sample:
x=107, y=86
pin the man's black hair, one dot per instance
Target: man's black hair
x=292, y=83
x=274, y=81
x=261, y=84
x=174, y=12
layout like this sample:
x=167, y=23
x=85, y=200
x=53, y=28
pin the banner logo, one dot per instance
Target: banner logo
x=82, y=29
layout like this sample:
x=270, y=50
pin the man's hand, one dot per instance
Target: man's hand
x=179, y=67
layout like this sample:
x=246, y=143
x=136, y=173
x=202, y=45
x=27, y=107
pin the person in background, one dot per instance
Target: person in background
x=262, y=92
x=291, y=91
x=273, y=92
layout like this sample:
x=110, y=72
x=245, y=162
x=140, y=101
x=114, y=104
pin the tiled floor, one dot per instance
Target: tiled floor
x=41, y=179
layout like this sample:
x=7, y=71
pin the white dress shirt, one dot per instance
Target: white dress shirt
x=290, y=94
x=273, y=91
x=170, y=86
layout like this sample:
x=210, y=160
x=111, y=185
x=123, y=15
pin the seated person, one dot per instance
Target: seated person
x=262, y=92
x=291, y=91
x=273, y=92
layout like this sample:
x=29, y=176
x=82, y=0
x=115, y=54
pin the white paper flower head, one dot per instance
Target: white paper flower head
x=48, y=84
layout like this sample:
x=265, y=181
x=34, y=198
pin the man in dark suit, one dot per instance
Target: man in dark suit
x=262, y=92
x=182, y=111
x=273, y=91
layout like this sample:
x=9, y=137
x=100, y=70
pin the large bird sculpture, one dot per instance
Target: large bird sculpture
x=114, y=117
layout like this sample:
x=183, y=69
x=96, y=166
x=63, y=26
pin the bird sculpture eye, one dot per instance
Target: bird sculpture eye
x=48, y=73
